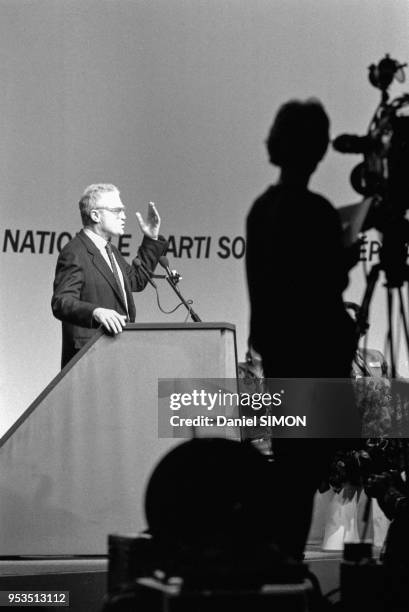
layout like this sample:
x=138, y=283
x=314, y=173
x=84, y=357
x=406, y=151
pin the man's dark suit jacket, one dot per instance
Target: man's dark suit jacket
x=84, y=281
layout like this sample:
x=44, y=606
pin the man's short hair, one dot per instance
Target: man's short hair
x=90, y=198
x=299, y=135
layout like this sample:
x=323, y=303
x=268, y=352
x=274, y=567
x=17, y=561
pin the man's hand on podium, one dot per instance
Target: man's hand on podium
x=111, y=320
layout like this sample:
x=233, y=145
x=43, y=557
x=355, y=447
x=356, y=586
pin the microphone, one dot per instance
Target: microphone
x=172, y=275
x=141, y=265
x=164, y=262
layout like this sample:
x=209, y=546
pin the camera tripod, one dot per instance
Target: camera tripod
x=393, y=255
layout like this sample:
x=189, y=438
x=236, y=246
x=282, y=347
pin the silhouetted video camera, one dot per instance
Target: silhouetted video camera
x=382, y=175
x=386, y=145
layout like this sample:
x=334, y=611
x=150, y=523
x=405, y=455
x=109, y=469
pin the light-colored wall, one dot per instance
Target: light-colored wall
x=171, y=100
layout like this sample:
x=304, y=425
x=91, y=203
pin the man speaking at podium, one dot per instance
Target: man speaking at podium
x=93, y=283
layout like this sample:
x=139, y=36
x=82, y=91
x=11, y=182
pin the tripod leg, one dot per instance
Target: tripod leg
x=404, y=320
x=390, y=331
x=362, y=320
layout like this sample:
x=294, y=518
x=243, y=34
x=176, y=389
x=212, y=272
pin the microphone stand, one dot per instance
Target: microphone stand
x=194, y=316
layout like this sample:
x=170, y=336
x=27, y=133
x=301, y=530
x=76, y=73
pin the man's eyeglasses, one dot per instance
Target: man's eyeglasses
x=114, y=211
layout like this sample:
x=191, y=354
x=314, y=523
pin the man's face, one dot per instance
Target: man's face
x=111, y=213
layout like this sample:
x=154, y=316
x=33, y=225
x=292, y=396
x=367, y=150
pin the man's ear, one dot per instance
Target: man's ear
x=94, y=215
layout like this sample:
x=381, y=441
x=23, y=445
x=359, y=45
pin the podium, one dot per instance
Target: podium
x=75, y=466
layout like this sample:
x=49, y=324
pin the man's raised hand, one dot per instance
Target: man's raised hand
x=151, y=226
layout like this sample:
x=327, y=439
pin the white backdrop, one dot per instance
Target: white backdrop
x=171, y=100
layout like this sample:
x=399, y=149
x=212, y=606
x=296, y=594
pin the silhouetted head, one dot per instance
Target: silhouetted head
x=299, y=136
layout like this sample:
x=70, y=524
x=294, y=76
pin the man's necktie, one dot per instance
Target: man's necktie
x=108, y=248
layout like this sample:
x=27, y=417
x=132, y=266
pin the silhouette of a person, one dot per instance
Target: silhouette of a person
x=297, y=269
